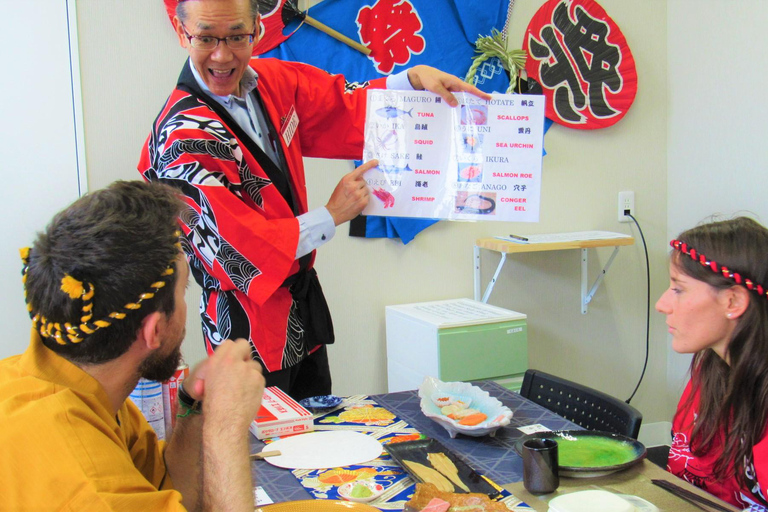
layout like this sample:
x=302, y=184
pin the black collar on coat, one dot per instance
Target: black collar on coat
x=280, y=176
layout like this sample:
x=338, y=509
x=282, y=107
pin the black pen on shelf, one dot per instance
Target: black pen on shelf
x=521, y=238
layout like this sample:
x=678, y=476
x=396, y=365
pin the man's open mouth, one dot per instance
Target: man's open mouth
x=217, y=73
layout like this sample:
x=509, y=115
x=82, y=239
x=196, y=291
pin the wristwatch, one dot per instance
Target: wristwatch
x=189, y=402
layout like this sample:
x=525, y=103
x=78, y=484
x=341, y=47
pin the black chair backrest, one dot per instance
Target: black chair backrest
x=587, y=407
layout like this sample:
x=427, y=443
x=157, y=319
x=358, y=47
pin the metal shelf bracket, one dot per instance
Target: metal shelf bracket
x=586, y=294
x=586, y=297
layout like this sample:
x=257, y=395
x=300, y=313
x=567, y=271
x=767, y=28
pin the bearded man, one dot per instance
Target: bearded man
x=105, y=286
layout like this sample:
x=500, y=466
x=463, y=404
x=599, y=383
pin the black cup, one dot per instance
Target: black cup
x=540, y=474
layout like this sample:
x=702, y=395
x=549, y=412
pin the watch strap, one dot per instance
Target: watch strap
x=187, y=400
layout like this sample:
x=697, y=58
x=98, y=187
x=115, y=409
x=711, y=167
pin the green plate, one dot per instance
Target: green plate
x=590, y=453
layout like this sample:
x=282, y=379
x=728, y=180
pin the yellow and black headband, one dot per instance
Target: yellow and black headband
x=76, y=289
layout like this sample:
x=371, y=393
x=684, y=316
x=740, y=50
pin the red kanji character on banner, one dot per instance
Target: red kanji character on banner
x=390, y=28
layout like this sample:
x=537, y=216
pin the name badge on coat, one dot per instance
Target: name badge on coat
x=291, y=123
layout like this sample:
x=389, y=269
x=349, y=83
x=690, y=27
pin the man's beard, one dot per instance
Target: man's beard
x=159, y=367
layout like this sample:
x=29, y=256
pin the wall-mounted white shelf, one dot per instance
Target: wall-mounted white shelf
x=559, y=242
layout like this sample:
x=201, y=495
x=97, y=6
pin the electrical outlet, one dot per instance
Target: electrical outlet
x=626, y=206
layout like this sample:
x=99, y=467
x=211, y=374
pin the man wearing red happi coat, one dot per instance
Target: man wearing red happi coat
x=231, y=138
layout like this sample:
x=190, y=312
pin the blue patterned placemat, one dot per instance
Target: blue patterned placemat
x=363, y=414
x=494, y=456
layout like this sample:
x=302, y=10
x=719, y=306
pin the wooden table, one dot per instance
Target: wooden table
x=635, y=481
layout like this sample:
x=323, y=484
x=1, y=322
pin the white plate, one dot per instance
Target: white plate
x=319, y=450
x=590, y=501
x=600, y=501
x=640, y=504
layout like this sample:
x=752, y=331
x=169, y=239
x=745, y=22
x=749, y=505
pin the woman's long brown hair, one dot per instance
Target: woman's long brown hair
x=733, y=405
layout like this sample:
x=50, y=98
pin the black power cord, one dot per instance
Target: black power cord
x=647, y=304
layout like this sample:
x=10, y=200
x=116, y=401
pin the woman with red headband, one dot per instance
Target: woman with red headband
x=717, y=309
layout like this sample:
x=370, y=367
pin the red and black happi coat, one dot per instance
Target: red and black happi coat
x=699, y=470
x=240, y=228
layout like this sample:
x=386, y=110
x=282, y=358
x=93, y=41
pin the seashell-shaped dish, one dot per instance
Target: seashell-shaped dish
x=497, y=414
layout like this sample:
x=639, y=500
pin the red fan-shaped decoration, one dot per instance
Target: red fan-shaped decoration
x=583, y=63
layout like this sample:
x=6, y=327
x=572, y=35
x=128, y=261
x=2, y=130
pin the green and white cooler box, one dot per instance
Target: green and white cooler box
x=455, y=340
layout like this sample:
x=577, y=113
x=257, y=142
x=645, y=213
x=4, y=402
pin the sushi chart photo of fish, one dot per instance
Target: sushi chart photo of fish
x=393, y=169
x=393, y=112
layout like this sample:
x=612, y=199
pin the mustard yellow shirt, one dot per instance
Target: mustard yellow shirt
x=61, y=448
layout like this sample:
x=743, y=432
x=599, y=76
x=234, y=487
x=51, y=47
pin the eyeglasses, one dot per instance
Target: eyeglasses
x=235, y=42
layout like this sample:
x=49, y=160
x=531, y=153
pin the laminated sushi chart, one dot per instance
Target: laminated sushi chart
x=481, y=160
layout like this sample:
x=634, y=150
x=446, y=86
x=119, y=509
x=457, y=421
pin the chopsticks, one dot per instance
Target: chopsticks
x=261, y=455
x=689, y=496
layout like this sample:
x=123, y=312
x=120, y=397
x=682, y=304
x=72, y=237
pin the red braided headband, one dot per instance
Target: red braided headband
x=718, y=269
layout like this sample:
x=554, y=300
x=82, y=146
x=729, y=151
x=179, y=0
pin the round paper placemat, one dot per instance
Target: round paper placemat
x=318, y=450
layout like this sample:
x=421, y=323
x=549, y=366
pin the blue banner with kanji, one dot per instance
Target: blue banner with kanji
x=400, y=35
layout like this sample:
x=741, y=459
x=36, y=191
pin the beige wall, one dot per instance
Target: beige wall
x=716, y=158
x=130, y=60
x=28, y=205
